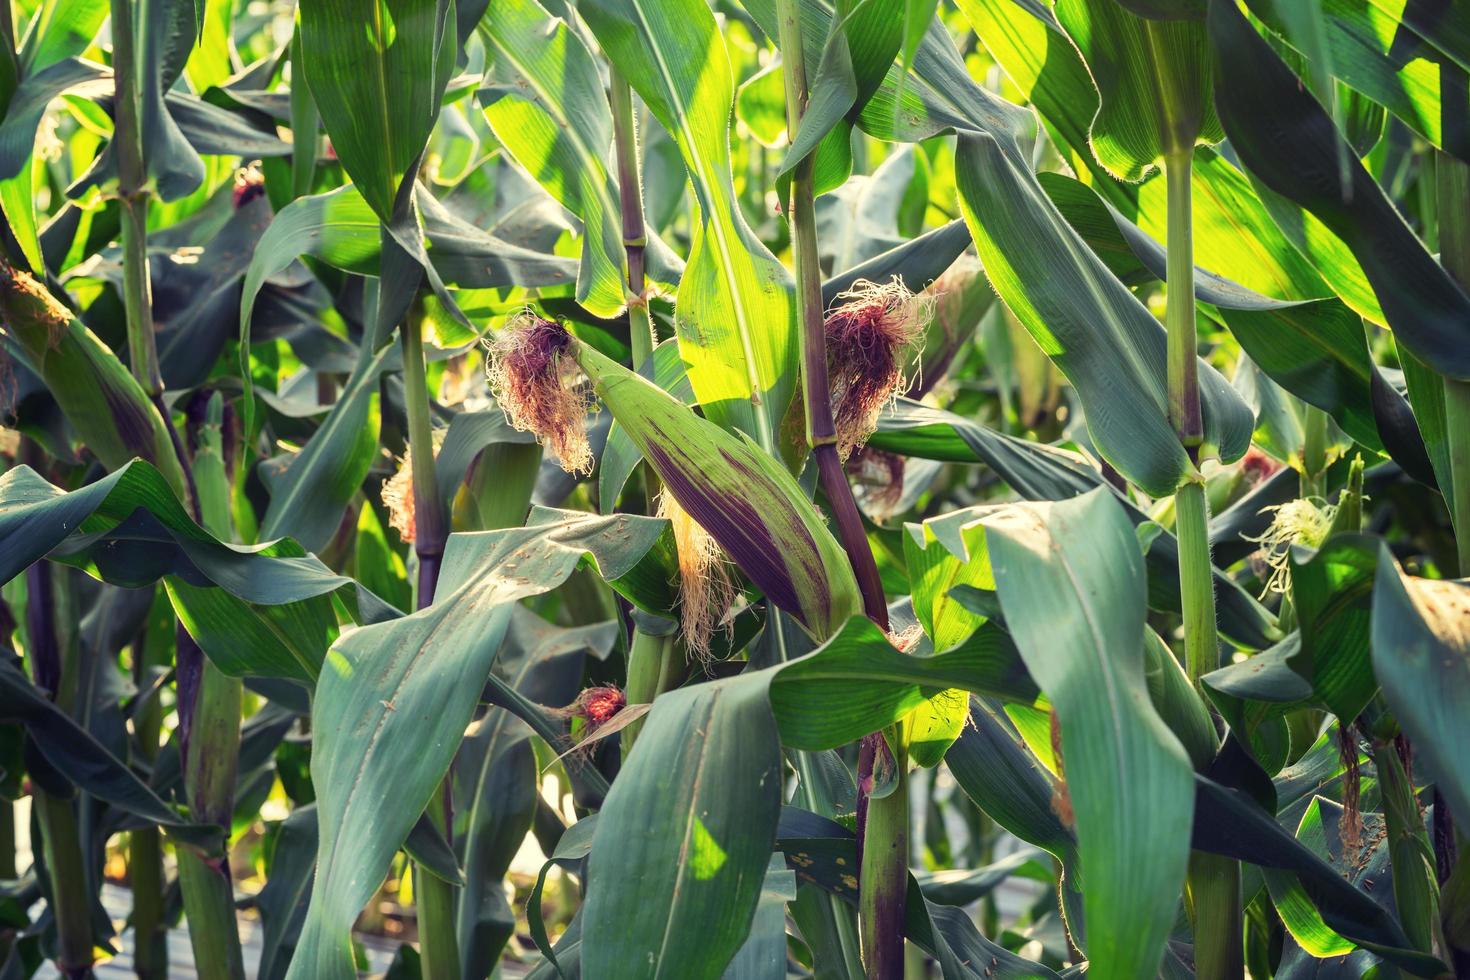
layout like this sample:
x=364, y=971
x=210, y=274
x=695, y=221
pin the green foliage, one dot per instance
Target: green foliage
x=304, y=620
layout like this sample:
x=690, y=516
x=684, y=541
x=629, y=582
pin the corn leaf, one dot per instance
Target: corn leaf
x=554, y=119
x=736, y=317
x=1071, y=582
x=393, y=701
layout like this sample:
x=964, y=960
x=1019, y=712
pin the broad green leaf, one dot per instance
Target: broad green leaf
x=1316, y=349
x=393, y=701
x=81, y=759
x=377, y=70
x=262, y=611
x=1036, y=471
x=1228, y=822
x=1234, y=231
x=1332, y=592
x=496, y=781
x=736, y=304
x=1105, y=341
x=1392, y=52
x=1420, y=660
x=60, y=29
x=1071, y=581
x=692, y=819
x=1261, y=104
x=309, y=498
x=934, y=571
x=856, y=55
x=857, y=683
x=738, y=493
x=1153, y=82
x=554, y=119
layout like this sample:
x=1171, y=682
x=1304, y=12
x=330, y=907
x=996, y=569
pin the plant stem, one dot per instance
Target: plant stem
x=646, y=657
x=1314, y=453
x=821, y=431
x=641, y=331
x=146, y=881
x=435, y=897
x=1213, y=883
x=1214, y=892
x=51, y=653
x=1196, y=580
x=211, y=739
x=61, y=845
x=132, y=192
x=1183, y=356
x=431, y=523
x=884, y=871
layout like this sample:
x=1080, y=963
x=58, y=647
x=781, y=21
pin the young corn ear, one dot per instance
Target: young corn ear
x=104, y=403
x=398, y=493
x=706, y=588
x=745, y=499
x=871, y=333
x=536, y=385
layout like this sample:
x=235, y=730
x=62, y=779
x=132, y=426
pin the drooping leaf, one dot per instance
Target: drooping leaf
x=1039, y=472
x=554, y=119
x=857, y=683
x=1153, y=82
x=394, y=699
x=1394, y=54
x=1419, y=659
x=78, y=757
x=1109, y=346
x=1261, y=104
x=1071, y=582
x=691, y=818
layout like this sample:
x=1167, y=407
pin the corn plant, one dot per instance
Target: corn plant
x=638, y=489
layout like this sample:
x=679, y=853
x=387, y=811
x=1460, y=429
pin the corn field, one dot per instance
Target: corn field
x=698, y=489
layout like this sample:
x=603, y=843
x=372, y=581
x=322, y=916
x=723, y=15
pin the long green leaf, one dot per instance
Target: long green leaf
x=692, y=819
x=377, y=70
x=1106, y=342
x=554, y=119
x=1071, y=582
x=394, y=699
x=1153, y=82
x=1420, y=659
x=1263, y=106
x=736, y=308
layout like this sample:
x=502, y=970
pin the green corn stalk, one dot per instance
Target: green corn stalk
x=1213, y=882
x=212, y=745
x=647, y=655
x=434, y=896
x=884, y=831
x=51, y=653
x=145, y=845
x=132, y=198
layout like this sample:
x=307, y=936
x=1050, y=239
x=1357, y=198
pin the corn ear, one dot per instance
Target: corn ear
x=746, y=500
x=104, y=403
